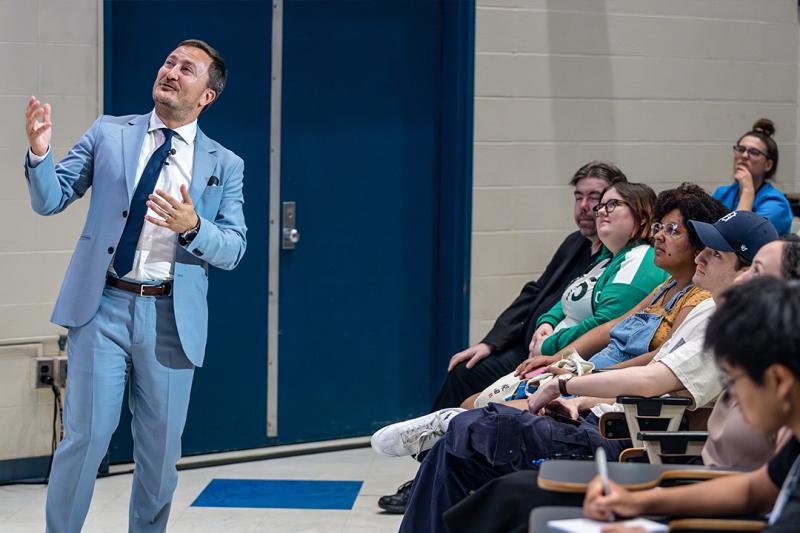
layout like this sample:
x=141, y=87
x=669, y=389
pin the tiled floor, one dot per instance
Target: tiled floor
x=22, y=506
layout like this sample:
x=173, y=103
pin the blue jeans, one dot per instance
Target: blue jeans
x=629, y=338
x=132, y=337
x=632, y=336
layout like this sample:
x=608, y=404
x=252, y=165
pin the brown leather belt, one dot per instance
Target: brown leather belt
x=164, y=289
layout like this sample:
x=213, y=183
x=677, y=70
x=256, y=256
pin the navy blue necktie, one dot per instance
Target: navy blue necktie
x=126, y=249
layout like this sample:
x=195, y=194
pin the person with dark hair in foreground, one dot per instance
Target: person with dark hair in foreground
x=506, y=344
x=755, y=336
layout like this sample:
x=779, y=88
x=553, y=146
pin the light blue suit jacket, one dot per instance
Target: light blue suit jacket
x=105, y=159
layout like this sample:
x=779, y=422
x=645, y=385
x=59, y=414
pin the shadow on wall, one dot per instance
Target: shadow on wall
x=586, y=73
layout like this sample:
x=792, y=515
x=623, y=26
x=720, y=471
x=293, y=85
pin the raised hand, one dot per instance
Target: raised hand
x=175, y=215
x=38, y=126
x=743, y=176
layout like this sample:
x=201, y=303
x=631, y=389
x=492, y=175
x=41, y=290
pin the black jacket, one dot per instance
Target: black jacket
x=518, y=322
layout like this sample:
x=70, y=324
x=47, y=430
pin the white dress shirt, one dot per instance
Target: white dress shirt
x=155, y=251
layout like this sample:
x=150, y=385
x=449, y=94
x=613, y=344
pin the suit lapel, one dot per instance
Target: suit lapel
x=132, y=139
x=205, y=160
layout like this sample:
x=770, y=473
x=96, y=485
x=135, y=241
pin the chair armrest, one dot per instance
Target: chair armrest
x=653, y=414
x=614, y=426
x=653, y=406
x=678, y=446
x=675, y=436
x=630, y=455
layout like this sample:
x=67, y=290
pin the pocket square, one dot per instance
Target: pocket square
x=213, y=181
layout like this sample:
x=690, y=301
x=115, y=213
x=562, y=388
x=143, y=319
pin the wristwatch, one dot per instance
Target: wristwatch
x=562, y=383
x=188, y=236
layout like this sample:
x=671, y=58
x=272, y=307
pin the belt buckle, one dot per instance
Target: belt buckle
x=141, y=289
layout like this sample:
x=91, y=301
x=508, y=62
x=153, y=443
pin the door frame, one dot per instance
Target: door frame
x=454, y=228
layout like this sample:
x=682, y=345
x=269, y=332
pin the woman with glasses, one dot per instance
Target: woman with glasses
x=755, y=161
x=623, y=275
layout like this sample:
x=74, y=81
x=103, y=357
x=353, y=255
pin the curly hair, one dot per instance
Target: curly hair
x=693, y=203
x=790, y=257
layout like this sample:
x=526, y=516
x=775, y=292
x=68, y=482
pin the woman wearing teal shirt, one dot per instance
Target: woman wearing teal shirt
x=755, y=161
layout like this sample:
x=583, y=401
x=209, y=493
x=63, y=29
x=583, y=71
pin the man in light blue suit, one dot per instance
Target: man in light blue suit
x=166, y=204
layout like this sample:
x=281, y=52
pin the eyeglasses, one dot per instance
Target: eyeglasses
x=728, y=381
x=609, y=206
x=672, y=229
x=752, y=152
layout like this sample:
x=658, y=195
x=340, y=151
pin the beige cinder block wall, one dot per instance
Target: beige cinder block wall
x=661, y=88
x=48, y=48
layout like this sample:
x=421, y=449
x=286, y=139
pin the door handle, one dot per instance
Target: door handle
x=290, y=234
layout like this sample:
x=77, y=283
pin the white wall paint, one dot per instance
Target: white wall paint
x=661, y=88
x=48, y=48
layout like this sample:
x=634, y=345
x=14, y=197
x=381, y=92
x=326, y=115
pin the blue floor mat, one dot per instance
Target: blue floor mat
x=279, y=494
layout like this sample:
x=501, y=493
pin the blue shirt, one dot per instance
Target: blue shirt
x=769, y=202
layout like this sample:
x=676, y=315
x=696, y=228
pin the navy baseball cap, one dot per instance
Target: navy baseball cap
x=741, y=232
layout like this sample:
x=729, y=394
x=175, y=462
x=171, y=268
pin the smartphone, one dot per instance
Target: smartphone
x=558, y=416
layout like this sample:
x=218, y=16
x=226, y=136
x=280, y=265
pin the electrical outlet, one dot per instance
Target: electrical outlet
x=61, y=380
x=45, y=373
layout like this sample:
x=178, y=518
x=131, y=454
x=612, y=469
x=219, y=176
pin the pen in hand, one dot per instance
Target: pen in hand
x=602, y=471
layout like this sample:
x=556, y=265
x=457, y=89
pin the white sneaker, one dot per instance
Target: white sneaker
x=411, y=437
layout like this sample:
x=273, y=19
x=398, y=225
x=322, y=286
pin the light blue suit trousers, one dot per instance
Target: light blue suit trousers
x=135, y=337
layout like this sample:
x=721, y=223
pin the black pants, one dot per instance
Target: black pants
x=504, y=504
x=463, y=382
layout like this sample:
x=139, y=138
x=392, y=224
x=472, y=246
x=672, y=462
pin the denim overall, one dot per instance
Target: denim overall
x=632, y=336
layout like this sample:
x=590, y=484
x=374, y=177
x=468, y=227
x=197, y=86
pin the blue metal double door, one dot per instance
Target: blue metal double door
x=366, y=298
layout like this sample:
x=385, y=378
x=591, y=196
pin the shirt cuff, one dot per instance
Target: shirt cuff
x=34, y=159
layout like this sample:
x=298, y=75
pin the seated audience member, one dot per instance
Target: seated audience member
x=732, y=442
x=483, y=444
x=755, y=336
x=648, y=325
x=625, y=274
x=755, y=161
x=506, y=344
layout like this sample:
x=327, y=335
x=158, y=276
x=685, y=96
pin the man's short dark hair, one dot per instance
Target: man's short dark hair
x=599, y=169
x=790, y=257
x=217, y=72
x=757, y=326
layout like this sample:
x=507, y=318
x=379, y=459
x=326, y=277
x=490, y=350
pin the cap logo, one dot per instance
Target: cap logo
x=728, y=216
x=743, y=248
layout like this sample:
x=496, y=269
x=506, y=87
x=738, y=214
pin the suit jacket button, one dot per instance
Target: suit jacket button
x=124, y=214
x=198, y=253
x=111, y=249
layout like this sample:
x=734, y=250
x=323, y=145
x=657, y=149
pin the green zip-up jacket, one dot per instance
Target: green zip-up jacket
x=629, y=277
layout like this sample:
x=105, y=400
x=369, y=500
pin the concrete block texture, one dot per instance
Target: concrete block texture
x=663, y=89
x=48, y=48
